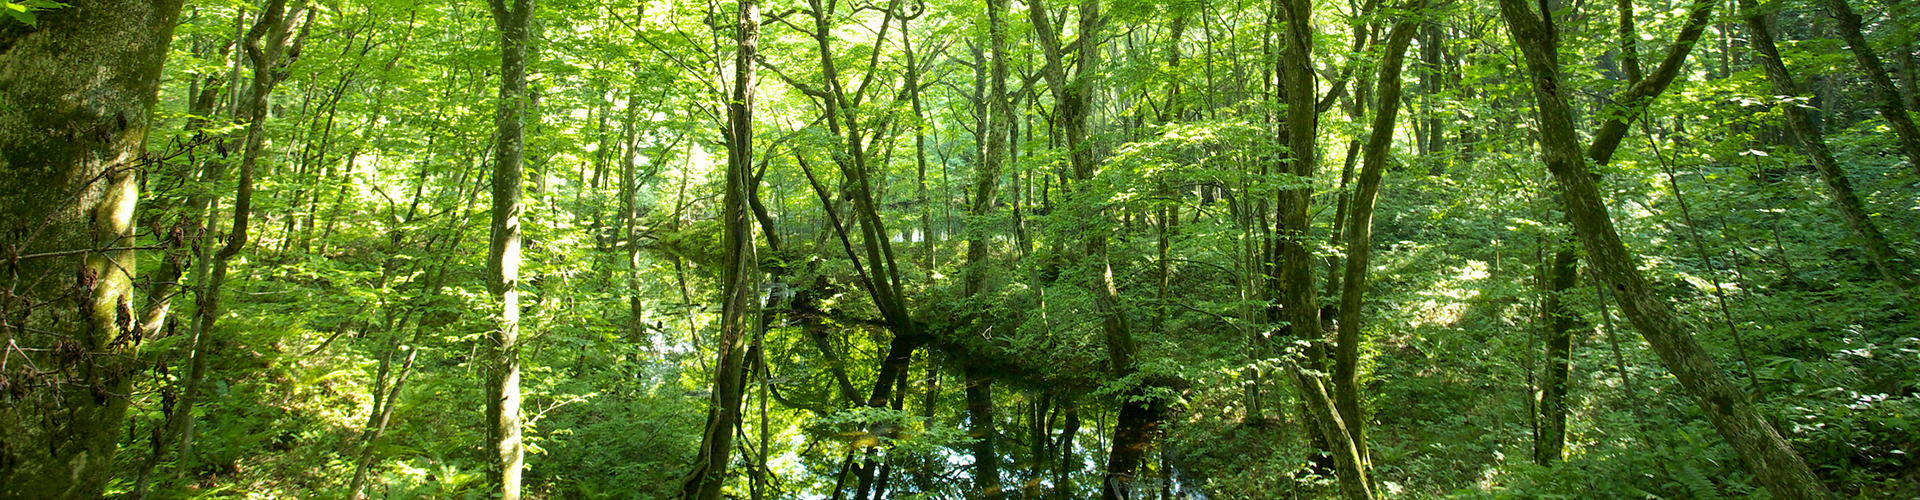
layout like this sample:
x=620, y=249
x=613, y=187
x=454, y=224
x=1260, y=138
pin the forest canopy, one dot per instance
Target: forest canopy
x=946, y=249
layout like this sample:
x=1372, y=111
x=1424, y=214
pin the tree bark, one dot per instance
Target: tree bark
x=1768, y=456
x=79, y=86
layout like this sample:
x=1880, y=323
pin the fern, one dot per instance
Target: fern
x=1696, y=482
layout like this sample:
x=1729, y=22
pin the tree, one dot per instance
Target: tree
x=1891, y=264
x=270, y=46
x=513, y=21
x=709, y=472
x=1890, y=106
x=1769, y=456
x=1359, y=232
x=77, y=87
x=1296, y=296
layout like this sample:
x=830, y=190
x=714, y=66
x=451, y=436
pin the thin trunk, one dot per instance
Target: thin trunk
x=265, y=44
x=709, y=471
x=930, y=255
x=1713, y=276
x=1890, y=105
x=377, y=423
x=1893, y=267
x=1359, y=233
x=166, y=280
x=503, y=256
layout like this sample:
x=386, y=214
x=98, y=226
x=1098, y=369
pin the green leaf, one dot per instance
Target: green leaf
x=19, y=13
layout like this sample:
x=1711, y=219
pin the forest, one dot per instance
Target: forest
x=959, y=249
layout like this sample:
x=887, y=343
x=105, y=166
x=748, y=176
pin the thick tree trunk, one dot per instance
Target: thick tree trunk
x=80, y=85
x=503, y=256
x=1768, y=456
x=709, y=471
x=1359, y=233
x=1295, y=294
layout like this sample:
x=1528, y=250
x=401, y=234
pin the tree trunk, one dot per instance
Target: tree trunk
x=1296, y=296
x=1891, y=106
x=503, y=256
x=986, y=180
x=190, y=226
x=1432, y=81
x=80, y=85
x=1551, y=435
x=1768, y=456
x=1346, y=358
x=709, y=471
x=265, y=44
x=980, y=426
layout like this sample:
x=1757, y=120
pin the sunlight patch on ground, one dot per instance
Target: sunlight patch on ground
x=1447, y=301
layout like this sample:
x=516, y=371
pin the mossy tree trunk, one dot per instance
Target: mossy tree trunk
x=1346, y=359
x=709, y=471
x=1767, y=455
x=75, y=91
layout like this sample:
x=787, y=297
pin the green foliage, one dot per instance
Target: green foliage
x=372, y=230
x=23, y=12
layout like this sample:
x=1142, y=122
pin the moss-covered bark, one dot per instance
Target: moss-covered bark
x=75, y=91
